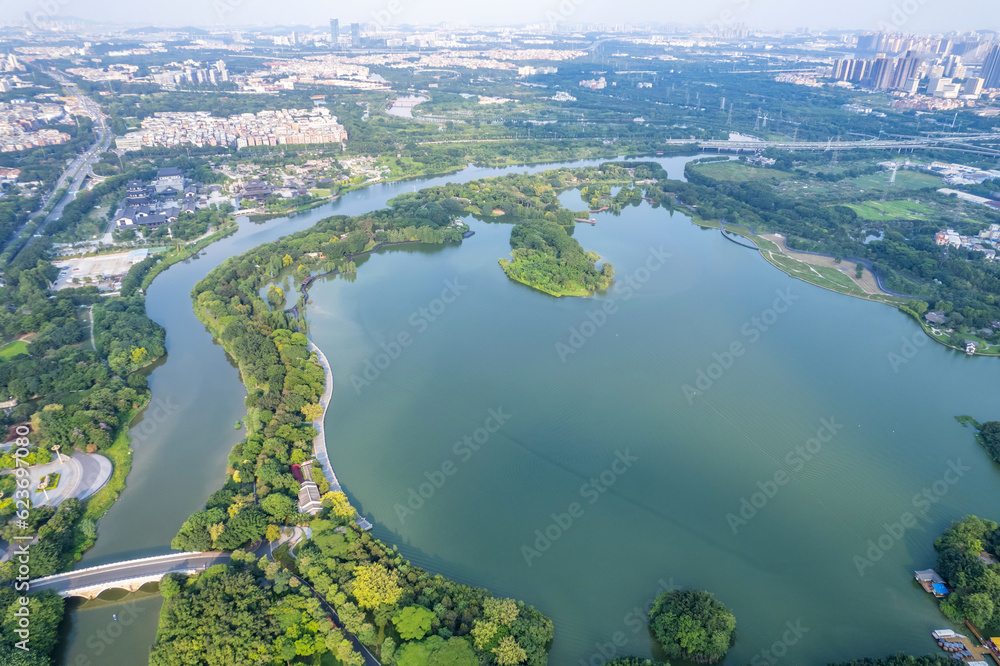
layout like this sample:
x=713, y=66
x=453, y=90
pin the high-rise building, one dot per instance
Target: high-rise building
x=951, y=64
x=936, y=84
x=906, y=69
x=973, y=86
x=335, y=31
x=991, y=68
x=880, y=73
x=850, y=70
x=356, y=35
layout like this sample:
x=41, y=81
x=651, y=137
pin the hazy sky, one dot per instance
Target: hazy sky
x=906, y=15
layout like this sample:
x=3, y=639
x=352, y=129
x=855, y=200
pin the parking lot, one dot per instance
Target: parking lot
x=102, y=270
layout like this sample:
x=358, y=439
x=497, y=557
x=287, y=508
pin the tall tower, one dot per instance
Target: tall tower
x=335, y=31
x=356, y=35
x=906, y=68
x=991, y=68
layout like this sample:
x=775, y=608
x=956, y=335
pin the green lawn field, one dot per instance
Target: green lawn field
x=12, y=349
x=738, y=172
x=894, y=210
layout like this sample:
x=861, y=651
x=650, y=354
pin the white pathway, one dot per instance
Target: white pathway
x=319, y=443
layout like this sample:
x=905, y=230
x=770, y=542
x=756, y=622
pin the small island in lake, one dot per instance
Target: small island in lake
x=547, y=258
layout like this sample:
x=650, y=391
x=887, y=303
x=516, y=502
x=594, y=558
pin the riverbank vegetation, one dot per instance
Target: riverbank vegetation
x=901, y=660
x=71, y=395
x=125, y=336
x=831, y=211
x=968, y=553
x=692, y=625
x=989, y=437
x=252, y=612
x=45, y=612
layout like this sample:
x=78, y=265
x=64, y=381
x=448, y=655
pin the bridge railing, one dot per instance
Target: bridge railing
x=122, y=583
x=117, y=565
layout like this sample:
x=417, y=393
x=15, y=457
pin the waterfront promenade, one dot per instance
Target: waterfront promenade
x=319, y=442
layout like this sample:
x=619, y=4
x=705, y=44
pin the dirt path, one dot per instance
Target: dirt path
x=866, y=282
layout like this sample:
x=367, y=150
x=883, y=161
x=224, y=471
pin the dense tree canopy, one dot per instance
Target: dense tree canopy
x=965, y=552
x=692, y=625
x=989, y=434
x=247, y=615
x=45, y=611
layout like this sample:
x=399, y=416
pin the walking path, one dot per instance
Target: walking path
x=92, y=343
x=319, y=442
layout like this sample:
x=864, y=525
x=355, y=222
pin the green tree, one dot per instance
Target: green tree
x=413, y=622
x=692, y=625
x=376, y=586
x=508, y=652
x=989, y=434
x=280, y=507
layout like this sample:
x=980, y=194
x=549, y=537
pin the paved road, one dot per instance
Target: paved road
x=82, y=165
x=914, y=142
x=110, y=573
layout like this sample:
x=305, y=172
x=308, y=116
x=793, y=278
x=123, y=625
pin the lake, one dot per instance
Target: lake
x=707, y=423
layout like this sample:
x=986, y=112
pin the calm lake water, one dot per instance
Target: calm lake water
x=607, y=480
x=403, y=105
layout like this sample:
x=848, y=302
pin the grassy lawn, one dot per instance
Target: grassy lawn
x=822, y=276
x=284, y=557
x=120, y=455
x=738, y=172
x=896, y=210
x=905, y=180
x=173, y=255
x=12, y=349
x=319, y=192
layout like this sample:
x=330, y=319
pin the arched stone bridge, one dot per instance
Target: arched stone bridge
x=128, y=575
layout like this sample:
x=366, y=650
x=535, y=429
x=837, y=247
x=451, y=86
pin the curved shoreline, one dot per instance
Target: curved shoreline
x=320, y=452
x=920, y=322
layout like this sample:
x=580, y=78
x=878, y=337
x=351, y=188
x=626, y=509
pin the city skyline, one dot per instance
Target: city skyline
x=918, y=16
